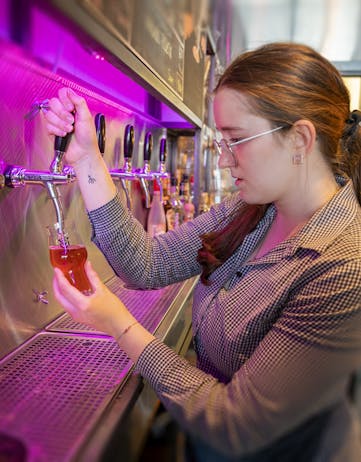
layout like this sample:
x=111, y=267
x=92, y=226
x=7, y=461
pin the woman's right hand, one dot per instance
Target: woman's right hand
x=67, y=113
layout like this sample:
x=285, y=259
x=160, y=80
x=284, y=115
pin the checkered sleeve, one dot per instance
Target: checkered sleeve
x=299, y=368
x=145, y=262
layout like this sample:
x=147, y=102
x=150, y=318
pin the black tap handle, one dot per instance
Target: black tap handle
x=128, y=141
x=61, y=142
x=100, y=129
x=148, y=146
x=163, y=150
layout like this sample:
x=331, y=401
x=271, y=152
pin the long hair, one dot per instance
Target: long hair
x=286, y=82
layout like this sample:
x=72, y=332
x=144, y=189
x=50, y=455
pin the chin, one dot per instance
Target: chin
x=251, y=200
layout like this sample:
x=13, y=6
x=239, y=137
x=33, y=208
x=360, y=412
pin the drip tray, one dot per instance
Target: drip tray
x=54, y=388
x=147, y=306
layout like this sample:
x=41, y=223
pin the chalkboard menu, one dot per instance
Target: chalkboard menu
x=168, y=36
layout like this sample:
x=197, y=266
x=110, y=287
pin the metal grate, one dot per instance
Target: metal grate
x=147, y=306
x=53, y=389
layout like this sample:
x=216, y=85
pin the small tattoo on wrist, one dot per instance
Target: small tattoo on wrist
x=91, y=180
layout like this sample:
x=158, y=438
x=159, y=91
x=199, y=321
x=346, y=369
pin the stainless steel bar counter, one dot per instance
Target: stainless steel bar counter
x=70, y=394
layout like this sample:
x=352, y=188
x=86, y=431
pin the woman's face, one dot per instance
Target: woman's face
x=262, y=167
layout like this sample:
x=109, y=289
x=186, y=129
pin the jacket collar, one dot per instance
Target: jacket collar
x=330, y=221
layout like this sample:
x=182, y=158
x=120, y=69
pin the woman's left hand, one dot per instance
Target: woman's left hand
x=101, y=310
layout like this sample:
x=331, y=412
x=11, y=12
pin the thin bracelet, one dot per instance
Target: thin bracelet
x=125, y=330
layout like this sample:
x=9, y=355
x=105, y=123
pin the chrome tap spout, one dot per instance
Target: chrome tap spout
x=54, y=194
x=60, y=146
x=146, y=192
x=16, y=176
x=162, y=173
x=120, y=174
x=126, y=173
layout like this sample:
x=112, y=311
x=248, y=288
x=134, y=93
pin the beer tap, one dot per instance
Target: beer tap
x=161, y=173
x=126, y=173
x=145, y=174
x=60, y=147
x=16, y=176
x=56, y=166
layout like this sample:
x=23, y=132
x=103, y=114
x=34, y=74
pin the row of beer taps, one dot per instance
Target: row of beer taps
x=13, y=176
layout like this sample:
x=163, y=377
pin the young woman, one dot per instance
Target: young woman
x=277, y=311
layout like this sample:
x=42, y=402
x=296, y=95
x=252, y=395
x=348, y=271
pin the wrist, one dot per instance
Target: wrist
x=133, y=338
x=86, y=160
x=124, y=331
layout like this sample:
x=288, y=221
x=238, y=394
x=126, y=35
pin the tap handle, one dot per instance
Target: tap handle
x=100, y=129
x=61, y=142
x=128, y=141
x=148, y=146
x=163, y=150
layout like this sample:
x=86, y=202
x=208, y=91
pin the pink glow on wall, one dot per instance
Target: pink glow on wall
x=4, y=14
x=63, y=53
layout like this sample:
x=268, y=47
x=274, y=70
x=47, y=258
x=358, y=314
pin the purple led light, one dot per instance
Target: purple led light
x=62, y=52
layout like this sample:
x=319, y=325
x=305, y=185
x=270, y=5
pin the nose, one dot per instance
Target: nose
x=226, y=160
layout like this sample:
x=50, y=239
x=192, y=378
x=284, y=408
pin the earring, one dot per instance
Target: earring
x=298, y=159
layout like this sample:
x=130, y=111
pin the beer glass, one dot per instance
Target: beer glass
x=69, y=254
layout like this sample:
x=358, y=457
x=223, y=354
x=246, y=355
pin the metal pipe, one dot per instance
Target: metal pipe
x=55, y=197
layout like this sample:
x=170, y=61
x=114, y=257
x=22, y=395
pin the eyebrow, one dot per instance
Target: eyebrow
x=229, y=128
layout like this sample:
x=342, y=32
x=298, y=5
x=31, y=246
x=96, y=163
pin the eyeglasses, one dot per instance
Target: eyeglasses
x=224, y=146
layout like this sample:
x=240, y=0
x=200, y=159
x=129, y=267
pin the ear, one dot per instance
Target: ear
x=304, y=136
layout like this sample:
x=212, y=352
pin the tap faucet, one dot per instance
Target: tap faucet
x=60, y=146
x=16, y=176
x=126, y=173
x=162, y=156
x=161, y=173
x=128, y=149
x=144, y=173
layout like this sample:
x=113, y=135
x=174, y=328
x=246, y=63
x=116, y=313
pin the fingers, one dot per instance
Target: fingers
x=66, y=294
x=75, y=101
x=60, y=120
x=65, y=94
x=61, y=299
x=60, y=116
x=93, y=276
x=57, y=125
